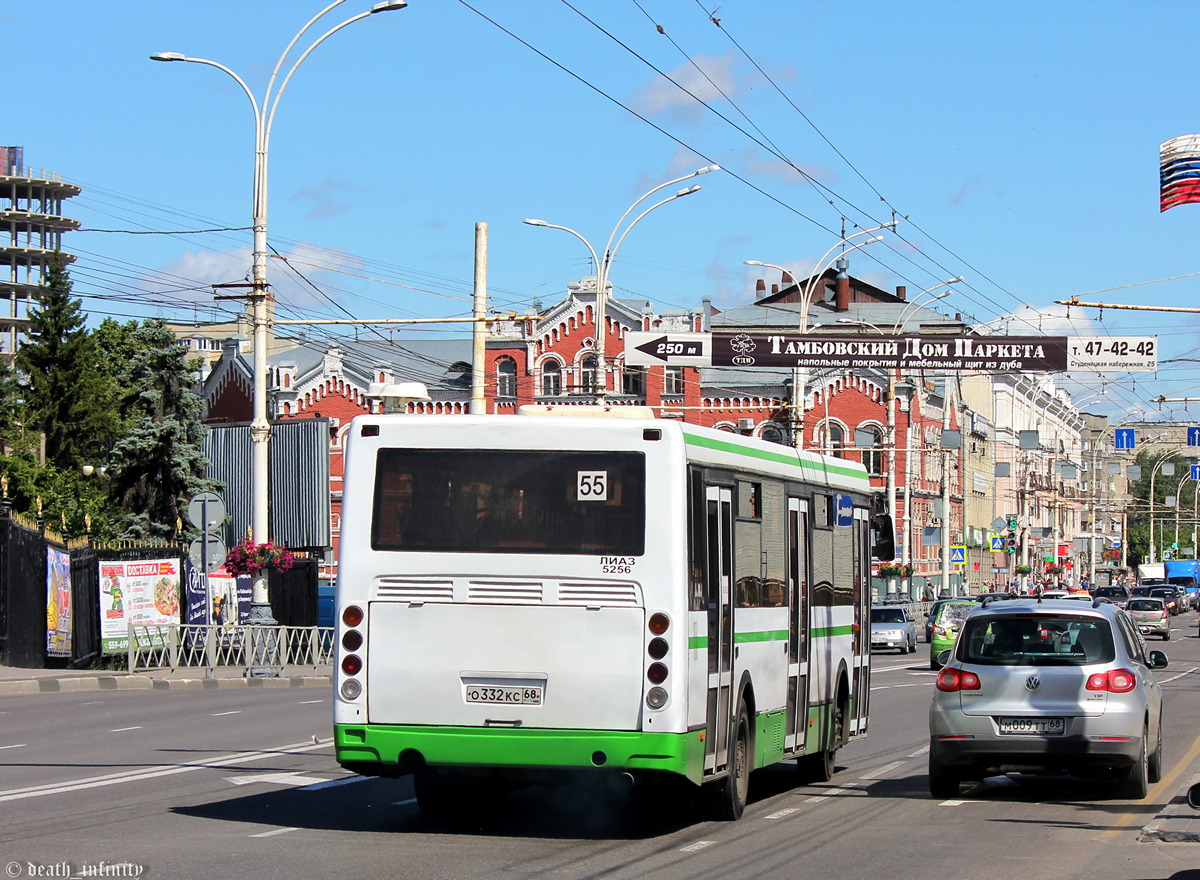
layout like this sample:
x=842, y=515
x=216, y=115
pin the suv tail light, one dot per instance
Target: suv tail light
x=1115, y=681
x=957, y=680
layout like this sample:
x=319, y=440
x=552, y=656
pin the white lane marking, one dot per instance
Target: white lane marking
x=697, y=846
x=1174, y=677
x=292, y=779
x=276, y=831
x=875, y=774
x=404, y=803
x=307, y=702
x=919, y=752
x=123, y=729
x=232, y=712
x=14, y=746
x=218, y=763
x=848, y=788
x=779, y=814
x=957, y=803
x=332, y=783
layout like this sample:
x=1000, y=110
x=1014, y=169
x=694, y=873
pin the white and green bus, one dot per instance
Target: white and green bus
x=525, y=597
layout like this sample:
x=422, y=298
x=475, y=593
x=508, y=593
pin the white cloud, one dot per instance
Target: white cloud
x=704, y=76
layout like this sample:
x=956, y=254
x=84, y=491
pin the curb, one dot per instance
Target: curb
x=1177, y=823
x=141, y=683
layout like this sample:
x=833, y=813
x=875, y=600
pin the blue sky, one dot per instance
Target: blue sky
x=1017, y=141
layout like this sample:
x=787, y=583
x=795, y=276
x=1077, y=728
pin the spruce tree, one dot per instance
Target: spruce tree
x=159, y=463
x=64, y=393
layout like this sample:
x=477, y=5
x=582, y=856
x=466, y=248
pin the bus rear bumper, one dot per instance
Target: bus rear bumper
x=395, y=750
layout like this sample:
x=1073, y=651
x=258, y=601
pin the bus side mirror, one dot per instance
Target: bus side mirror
x=885, y=537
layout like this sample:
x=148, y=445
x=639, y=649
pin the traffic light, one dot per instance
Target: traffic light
x=1010, y=542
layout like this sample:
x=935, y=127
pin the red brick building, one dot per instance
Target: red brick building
x=547, y=356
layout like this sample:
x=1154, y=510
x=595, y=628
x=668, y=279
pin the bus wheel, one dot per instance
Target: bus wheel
x=943, y=780
x=436, y=793
x=730, y=796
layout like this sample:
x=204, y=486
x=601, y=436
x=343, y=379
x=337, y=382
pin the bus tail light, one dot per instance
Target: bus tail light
x=659, y=623
x=352, y=664
x=352, y=615
x=657, y=673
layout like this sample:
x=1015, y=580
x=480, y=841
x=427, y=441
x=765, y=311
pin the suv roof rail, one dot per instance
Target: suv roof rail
x=1101, y=600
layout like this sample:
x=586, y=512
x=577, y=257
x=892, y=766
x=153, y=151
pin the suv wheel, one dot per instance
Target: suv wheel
x=1137, y=777
x=943, y=781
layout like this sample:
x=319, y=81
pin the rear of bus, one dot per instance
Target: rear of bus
x=503, y=616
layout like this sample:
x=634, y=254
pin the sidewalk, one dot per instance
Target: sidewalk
x=14, y=680
x=1177, y=823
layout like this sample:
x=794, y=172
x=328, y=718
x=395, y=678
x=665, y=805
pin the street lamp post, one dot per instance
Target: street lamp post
x=610, y=252
x=264, y=115
x=799, y=380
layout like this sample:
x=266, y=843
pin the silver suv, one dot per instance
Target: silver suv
x=1047, y=686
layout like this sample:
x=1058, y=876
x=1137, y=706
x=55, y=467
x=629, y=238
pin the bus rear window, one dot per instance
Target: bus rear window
x=491, y=501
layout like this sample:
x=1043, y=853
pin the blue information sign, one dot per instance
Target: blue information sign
x=1195, y=472
x=1193, y=435
x=1124, y=438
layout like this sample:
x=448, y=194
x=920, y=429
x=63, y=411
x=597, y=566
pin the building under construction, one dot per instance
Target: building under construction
x=31, y=228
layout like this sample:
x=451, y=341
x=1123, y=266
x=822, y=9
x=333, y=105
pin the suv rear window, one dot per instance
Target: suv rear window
x=1145, y=605
x=1037, y=640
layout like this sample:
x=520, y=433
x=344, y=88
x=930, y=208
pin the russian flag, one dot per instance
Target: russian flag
x=1179, y=171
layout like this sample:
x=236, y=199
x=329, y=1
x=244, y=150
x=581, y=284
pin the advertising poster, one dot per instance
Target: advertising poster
x=58, y=602
x=144, y=592
x=229, y=605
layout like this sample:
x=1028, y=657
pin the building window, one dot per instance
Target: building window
x=506, y=378
x=588, y=383
x=551, y=379
x=772, y=434
x=872, y=453
x=831, y=439
x=633, y=380
x=673, y=380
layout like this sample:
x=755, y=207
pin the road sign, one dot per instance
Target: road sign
x=958, y=554
x=1193, y=435
x=1124, y=438
x=207, y=552
x=206, y=511
x=1195, y=472
x=997, y=544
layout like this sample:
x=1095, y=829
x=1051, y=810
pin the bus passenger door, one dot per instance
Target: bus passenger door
x=862, y=625
x=718, y=586
x=798, y=625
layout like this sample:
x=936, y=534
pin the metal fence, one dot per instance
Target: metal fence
x=257, y=650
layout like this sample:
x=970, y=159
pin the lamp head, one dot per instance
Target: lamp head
x=388, y=6
x=530, y=221
x=689, y=190
x=747, y=262
x=706, y=169
x=168, y=56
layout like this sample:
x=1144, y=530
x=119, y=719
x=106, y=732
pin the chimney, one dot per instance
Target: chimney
x=841, y=291
x=760, y=289
x=901, y=292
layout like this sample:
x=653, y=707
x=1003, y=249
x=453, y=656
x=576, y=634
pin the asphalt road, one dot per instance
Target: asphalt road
x=230, y=783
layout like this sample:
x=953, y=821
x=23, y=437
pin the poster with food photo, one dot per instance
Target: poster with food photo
x=144, y=592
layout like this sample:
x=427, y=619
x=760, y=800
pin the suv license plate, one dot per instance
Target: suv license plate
x=524, y=695
x=1033, y=726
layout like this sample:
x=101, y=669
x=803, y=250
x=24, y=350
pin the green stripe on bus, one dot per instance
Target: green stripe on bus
x=775, y=635
x=695, y=642
x=792, y=458
x=829, y=631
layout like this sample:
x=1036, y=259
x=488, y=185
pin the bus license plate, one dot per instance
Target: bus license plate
x=1033, y=726
x=524, y=695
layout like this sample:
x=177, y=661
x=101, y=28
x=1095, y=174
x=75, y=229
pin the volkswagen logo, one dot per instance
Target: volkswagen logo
x=1032, y=683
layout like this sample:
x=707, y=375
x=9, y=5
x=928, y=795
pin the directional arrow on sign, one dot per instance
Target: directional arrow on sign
x=674, y=349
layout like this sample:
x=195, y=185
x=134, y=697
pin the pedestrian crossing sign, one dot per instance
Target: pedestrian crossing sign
x=997, y=544
x=958, y=555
